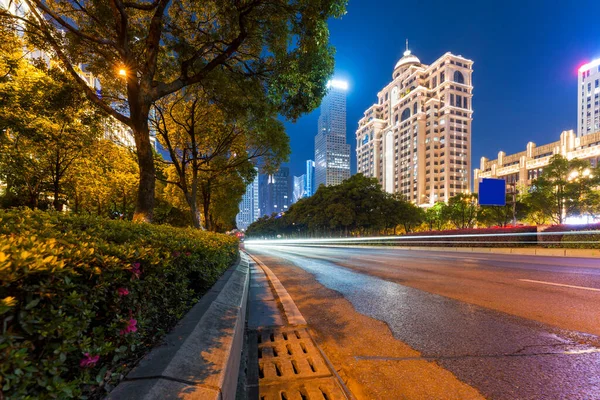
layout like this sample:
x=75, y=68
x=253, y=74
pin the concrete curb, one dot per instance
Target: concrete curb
x=293, y=315
x=200, y=357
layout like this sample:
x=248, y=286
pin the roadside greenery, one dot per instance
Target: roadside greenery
x=142, y=52
x=214, y=140
x=83, y=297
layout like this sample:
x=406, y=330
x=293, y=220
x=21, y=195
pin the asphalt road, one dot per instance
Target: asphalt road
x=509, y=326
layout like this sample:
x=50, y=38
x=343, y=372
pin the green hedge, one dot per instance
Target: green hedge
x=474, y=241
x=591, y=241
x=82, y=298
x=558, y=239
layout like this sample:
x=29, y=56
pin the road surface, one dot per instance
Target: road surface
x=427, y=325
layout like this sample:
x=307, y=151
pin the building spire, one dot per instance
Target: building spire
x=407, y=52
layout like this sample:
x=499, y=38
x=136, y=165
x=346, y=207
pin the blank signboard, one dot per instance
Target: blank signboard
x=492, y=192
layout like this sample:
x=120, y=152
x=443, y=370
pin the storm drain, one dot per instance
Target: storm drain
x=290, y=367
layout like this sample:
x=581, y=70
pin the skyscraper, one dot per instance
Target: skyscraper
x=332, y=153
x=299, y=188
x=588, y=102
x=416, y=140
x=275, y=192
x=249, y=206
x=309, y=182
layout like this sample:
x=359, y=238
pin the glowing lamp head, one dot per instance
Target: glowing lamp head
x=337, y=84
x=122, y=72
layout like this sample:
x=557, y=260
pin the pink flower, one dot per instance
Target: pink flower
x=131, y=327
x=88, y=361
x=122, y=291
x=135, y=269
x=176, y=254
x=187, y=253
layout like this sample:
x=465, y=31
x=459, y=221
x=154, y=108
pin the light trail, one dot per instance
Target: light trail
x=427, y=239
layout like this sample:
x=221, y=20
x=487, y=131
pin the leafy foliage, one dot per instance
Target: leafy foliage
x=565, y=188
x=46, y=126
x=213, y=143
x=358, y=206
x=83, y=297
x=164, y=46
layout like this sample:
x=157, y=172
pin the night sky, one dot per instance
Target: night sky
x=526, y=55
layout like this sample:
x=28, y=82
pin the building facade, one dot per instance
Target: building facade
x=332, y=153
x=275, y=192
x=588, y=99
x=521, y=168
x=416, y=140
x=309, y=183
x=299, y=188
x=249, y=206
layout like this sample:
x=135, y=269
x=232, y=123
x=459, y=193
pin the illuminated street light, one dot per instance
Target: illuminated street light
x=123, y=72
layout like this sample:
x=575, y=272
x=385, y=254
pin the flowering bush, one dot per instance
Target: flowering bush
x=81, y=298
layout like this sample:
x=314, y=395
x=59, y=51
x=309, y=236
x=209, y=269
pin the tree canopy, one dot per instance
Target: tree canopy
x=143, y=51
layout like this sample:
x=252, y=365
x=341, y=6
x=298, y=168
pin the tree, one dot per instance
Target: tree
x=143, y=51
x=45, y=126
x=461, y=210
x=502, y=215
x=210, y=138
x=435, y=217
x=565, y=188
x=104, y=182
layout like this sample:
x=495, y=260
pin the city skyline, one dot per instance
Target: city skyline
x=526, y=73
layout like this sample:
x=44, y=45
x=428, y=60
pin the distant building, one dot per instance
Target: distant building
x=275, y=192
x=309, y=182
x=416, y=140
x=588, y=101
x=299, y=188
x=249, y=206
x=521, y=168
x=332, y=153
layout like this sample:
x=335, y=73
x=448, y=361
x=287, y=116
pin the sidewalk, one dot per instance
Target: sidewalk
x=284, y=362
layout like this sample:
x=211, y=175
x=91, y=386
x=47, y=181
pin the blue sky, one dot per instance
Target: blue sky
x=526, y=56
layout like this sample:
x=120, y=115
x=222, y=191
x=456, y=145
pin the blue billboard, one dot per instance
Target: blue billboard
x=492, y=192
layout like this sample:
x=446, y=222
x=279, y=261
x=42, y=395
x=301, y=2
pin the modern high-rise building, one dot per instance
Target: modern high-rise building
x=275, y=192
x=416, y=140
x=309, y=183
x=299, y=185
x=332, y=153
x=588, y=101
x=249, y=206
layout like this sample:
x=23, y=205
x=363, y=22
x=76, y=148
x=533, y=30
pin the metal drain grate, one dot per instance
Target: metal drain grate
x=290, y=367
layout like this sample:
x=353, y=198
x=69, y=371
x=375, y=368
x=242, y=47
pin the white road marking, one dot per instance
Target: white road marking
x=560, y=284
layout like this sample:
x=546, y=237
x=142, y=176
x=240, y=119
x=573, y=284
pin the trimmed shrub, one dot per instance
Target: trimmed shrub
x=556, y=240
x=579, y=241
x=474, y=241
x=82, y=298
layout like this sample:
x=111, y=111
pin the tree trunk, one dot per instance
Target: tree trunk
x=144, y=208
x=56, y=203
x=206, y=205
